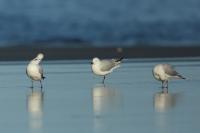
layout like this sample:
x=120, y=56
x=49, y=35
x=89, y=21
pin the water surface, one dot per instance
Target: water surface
x=74, y=100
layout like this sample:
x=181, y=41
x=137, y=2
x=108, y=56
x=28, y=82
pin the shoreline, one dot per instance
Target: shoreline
x=24, y=53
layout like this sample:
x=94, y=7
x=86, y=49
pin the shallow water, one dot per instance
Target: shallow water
x=74, y=100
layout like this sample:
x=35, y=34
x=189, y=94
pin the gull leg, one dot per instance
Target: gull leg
x=41, y=84
x=32, y=84
x=162, y=86
x=167, y=85
x=104, y=77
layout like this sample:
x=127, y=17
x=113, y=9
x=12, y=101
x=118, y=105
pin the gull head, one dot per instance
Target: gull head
x=38, y=59
x=95, y=60
x=158, y=72
x=40, y=56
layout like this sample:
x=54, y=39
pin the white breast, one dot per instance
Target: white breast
x=96, y=69
x=33, y=72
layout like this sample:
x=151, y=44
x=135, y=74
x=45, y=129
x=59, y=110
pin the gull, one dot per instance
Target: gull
x=34, y=70
x=104, y=67
x=165, y=72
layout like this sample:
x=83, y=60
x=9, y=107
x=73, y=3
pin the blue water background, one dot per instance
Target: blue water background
x=98, y=23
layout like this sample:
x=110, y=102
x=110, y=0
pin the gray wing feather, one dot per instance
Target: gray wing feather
x=107, y=65
x=41, y=71
x=170, y=70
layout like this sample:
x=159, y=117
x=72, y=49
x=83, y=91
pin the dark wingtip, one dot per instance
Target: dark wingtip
x=43, y=77
x=181, y=77
x=121, y=58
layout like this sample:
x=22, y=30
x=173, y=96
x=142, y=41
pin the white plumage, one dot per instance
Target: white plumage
x=34, y=70
x=165, y=72
x=104, y=67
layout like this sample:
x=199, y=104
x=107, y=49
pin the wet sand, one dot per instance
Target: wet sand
x=26, y=53
x=74, y=100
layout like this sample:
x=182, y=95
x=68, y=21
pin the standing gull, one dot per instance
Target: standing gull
x=104, y=67
x=34, y=70
x=165, y=72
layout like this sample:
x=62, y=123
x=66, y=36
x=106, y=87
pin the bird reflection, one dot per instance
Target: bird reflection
x=35, y=109
x=105, y=100
x=163, y=101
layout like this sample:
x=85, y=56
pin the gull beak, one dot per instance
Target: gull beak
x=91, y=63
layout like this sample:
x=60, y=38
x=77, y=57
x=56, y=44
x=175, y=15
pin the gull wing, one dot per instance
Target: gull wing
x=170, y=70
x=41, y=71
x=107, y=65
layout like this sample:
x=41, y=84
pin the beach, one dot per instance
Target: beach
x=74, y=100
x=23, y=53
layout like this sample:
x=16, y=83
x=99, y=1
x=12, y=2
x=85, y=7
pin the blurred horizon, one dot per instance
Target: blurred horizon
x=105, y=23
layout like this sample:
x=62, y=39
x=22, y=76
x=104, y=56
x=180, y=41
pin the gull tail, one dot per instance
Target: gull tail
x=181, y=77
x=119, y=59
x=43, y=77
